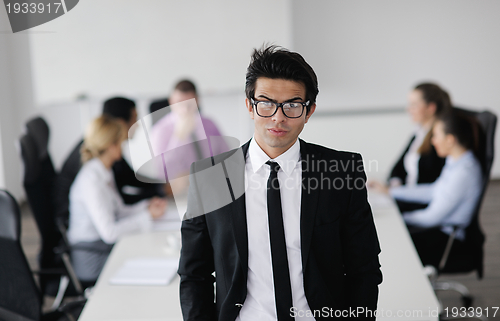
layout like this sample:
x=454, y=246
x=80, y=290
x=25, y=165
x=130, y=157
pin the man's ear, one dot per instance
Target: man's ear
x=311, y=111
x=249, y=107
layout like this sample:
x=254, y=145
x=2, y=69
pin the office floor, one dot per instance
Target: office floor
x=486, y=291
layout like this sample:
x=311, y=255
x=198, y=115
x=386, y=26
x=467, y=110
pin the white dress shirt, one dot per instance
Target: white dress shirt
x=412, y=157
x=452, y=197
x=260, y=301
x=97, y=211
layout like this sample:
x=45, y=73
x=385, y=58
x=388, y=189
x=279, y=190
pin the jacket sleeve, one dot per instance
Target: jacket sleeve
x=196, y=265
x=420, y=193
x=360, y=249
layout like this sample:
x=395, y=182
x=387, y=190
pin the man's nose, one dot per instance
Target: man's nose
x=279, y=116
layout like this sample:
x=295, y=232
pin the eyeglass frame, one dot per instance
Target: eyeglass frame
x=278, y=105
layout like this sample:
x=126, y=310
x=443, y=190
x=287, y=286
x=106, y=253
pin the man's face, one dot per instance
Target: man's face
x=278, y=133
x=176, y=99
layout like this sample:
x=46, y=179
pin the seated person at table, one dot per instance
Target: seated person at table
x=420, y=163
x=98, y=216
x=453, y=197
x=123, y=110
x=182, y=134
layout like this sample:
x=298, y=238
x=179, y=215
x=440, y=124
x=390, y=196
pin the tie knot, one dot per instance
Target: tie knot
x=275, y=167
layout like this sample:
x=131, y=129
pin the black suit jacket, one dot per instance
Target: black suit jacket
x=429, y=169
x=339, y=242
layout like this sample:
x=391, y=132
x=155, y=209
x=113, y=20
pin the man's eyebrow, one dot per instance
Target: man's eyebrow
x=288, y=100
x=265, y=97
x=295, y=98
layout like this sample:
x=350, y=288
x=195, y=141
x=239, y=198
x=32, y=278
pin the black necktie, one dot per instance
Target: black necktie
x=281, y=274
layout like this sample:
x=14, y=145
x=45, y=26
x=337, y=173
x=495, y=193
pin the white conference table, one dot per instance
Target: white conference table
x=405, y=288
x=405, y=294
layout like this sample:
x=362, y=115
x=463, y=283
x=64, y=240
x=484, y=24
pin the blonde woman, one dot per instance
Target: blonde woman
x=98, y=216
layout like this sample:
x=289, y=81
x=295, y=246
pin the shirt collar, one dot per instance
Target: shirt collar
x=421, y=131
x=287, y=161
x=104, y=173
x=450, y=161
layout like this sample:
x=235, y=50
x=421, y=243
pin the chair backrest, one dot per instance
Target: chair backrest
x=20, y=298
x=63, y=183
x=474, y=235
x=30, y=161
x=39, y=130
x=38, y=181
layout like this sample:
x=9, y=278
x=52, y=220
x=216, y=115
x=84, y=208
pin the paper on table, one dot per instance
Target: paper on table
x=379, y=201
x=146, y=271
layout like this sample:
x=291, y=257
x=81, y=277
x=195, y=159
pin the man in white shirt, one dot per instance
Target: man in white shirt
x=297, y=241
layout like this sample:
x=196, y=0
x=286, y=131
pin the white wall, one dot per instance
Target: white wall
x=16, y=102
x=370, y=53
x=127, y=46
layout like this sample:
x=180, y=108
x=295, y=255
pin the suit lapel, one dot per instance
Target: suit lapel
x=309, y=199
x=308, y=208
x=237, y=208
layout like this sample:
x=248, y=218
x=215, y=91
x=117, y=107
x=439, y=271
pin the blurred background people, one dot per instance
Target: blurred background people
x=157, y=105
x=183, y=135
x=98, y=215
x=420, y=163
x=129, y=187
x=453, y=196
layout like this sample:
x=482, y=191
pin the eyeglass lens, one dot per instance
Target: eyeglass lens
x=267, y=109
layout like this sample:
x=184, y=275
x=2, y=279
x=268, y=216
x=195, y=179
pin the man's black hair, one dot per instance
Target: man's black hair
x=279, y=63
x=119, y=107
x=185, y=85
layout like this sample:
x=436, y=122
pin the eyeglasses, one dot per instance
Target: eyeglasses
x=269, y=108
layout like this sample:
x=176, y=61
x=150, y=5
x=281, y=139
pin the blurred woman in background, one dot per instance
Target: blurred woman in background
x=420, y=162
x=452, y=198
x=98, y=216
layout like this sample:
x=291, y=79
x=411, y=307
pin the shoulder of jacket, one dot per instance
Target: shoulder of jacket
x=330, y=152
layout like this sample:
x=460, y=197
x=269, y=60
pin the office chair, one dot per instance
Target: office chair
x=38, y=180
x=62, y=185
x=20, y=298
x=471, y=259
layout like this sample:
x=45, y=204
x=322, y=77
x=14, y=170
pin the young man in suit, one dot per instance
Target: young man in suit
x=296, y=240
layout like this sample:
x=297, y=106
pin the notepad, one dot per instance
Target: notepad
x=146, y=271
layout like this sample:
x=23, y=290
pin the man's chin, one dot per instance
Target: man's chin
x=278, y=142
